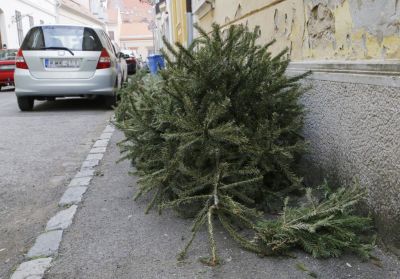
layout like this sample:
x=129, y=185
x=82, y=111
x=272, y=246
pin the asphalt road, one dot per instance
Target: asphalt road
x=40, y=151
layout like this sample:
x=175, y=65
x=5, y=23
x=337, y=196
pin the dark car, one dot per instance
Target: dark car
x=130, y=61
x=7, y=66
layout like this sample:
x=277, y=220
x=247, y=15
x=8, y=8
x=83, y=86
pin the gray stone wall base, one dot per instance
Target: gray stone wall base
x=354, y=132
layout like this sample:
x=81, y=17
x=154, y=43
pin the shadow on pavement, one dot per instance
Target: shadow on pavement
x=70, y=104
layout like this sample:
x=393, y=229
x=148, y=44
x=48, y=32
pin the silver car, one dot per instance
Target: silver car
x=64, y=61
x=123, y=67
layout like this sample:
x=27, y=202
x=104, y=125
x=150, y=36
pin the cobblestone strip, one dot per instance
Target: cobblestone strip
x=39, y=257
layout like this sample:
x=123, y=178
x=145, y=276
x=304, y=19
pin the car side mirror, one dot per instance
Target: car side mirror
x=120, y=55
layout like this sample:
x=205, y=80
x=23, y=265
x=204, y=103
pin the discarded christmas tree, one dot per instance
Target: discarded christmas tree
x=324, y=228
x=217, y=132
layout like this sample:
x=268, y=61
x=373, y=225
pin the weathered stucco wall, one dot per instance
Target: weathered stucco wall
x=318, y=29
x=352, y=29
x=354, y=131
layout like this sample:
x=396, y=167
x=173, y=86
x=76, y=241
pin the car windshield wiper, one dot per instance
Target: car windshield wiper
x=60, y=48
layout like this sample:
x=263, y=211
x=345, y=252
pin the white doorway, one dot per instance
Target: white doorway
x=3, y=35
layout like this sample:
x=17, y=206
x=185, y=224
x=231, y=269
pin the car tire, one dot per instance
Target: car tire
x=25, y=103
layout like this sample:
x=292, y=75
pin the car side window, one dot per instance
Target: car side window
x=34, y=39
x=108, y=42
x=103, y=39
x=115, y=51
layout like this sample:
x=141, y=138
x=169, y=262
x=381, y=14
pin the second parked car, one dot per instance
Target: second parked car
x=7, y=66
x=63, y=61
x=130, y=61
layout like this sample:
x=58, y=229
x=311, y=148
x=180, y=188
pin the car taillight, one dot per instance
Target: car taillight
x=104, y=60
x=131, y=60
x=20, y=60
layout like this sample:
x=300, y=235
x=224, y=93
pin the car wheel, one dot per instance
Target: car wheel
x=25, y=103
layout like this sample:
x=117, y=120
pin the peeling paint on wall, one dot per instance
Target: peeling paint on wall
x=367, y=29
x=378, y=18
x=319, y=29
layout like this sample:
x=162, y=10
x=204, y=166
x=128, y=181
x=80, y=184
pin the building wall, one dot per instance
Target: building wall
x=68, y=16
x=114, y=22
x=318, y=29
x=353, y=107
x=163, y=24
x=115, y=28
x=40, y=10
x=70, y=12
x=354, y=130
x=142, y=46
x=179, y=22
x=137, y=28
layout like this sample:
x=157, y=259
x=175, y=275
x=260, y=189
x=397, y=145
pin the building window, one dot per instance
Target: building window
x=31, y=22
x=111, y=34
x=41, y=22
x=20, y=31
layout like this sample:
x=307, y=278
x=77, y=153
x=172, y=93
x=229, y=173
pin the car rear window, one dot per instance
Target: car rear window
x=72, y=37
x=8, y=54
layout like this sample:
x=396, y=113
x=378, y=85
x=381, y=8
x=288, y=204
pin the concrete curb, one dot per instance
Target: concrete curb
x=46, y=246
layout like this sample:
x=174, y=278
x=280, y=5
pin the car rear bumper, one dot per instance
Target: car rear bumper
x=6, y=77
x=101, y=83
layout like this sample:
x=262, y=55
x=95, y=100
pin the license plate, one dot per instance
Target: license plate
x=51, y=63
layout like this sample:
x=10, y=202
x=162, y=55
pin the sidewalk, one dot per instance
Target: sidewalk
x=111, y=237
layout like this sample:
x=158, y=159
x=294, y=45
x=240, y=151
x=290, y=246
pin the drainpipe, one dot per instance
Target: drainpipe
x=56, y=9
x=189, y=21
x=170, y=30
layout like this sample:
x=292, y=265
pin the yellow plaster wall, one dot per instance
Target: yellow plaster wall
x=179, y=26
x=310, y=32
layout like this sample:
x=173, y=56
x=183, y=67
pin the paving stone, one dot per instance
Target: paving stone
x=33, y=269
x=106, y=136
x=97, y=156
x=46, y=244
x=85, y=173
x=73, y=195
x=80, y=181
x=109, y=129
x=101, y=143
x=89, y=164
x=62, y=219
x=97, y=150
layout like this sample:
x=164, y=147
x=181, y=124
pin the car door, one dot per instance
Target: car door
x=62, y=52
